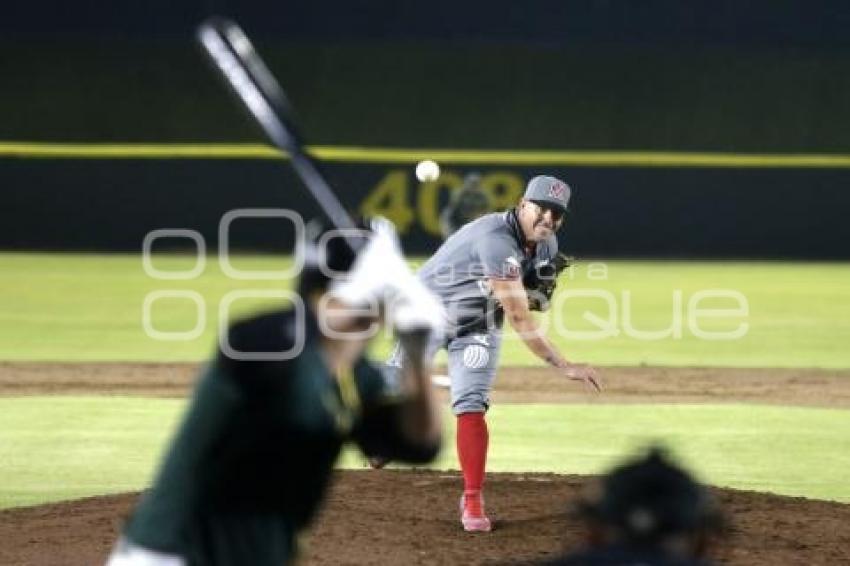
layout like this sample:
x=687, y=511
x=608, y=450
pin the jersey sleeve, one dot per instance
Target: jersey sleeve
x=378, y=431
x=251, y=351
x=499, y=257
x=372, y=385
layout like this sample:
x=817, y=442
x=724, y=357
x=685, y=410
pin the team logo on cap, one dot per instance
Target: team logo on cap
x=558, y=190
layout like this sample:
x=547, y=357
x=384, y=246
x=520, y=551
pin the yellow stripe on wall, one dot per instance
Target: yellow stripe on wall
x=353, y=154
x=37, y=150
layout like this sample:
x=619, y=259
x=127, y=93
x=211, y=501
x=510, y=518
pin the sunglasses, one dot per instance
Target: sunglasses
x=558, y=214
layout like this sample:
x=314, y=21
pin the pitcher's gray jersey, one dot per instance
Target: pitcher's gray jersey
x=491, y=247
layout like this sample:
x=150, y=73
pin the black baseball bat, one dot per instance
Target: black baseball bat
x=233, y=55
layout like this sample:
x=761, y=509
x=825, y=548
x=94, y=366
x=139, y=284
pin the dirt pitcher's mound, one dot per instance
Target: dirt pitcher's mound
x=410, y=517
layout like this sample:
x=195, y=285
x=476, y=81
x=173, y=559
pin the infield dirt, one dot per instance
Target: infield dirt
x=409, y=517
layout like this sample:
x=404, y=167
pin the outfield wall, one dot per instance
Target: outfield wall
x=400, y=94
x=768, y=77
x=626, y=205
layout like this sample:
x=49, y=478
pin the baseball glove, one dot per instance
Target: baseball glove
x=540, y=282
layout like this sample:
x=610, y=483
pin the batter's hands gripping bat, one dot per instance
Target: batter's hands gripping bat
x=233, y=55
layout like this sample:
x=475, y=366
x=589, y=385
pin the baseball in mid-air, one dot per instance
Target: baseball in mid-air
x=427, y=170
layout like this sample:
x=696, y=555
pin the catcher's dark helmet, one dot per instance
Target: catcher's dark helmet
x=650, y=498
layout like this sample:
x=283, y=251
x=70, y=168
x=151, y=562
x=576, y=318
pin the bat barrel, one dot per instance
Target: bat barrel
x=234, y=56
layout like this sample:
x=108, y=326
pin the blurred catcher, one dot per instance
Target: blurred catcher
x=253, y=456
x=650, y=512
x=479, y=274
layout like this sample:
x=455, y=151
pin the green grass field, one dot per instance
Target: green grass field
x=62, y=307
x=87, y=307
x=68, y=447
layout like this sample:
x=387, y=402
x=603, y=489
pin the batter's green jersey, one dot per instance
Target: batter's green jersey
x=253, y=456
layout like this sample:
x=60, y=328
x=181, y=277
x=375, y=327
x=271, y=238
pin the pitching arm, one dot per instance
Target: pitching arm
x=513, y=298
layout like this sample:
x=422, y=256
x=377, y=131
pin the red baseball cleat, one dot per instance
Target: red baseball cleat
x=472, y=513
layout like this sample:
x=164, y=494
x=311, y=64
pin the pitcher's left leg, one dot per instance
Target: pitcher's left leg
x=473, y=360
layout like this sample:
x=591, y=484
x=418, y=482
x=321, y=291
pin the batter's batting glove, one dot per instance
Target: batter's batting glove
x=381, y=275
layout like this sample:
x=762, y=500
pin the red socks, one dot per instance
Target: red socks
x=472, y=440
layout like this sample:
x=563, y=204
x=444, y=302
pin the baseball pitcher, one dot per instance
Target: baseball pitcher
x=500, y=266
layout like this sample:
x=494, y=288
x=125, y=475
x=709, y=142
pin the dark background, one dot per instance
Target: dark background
x=765, y=76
